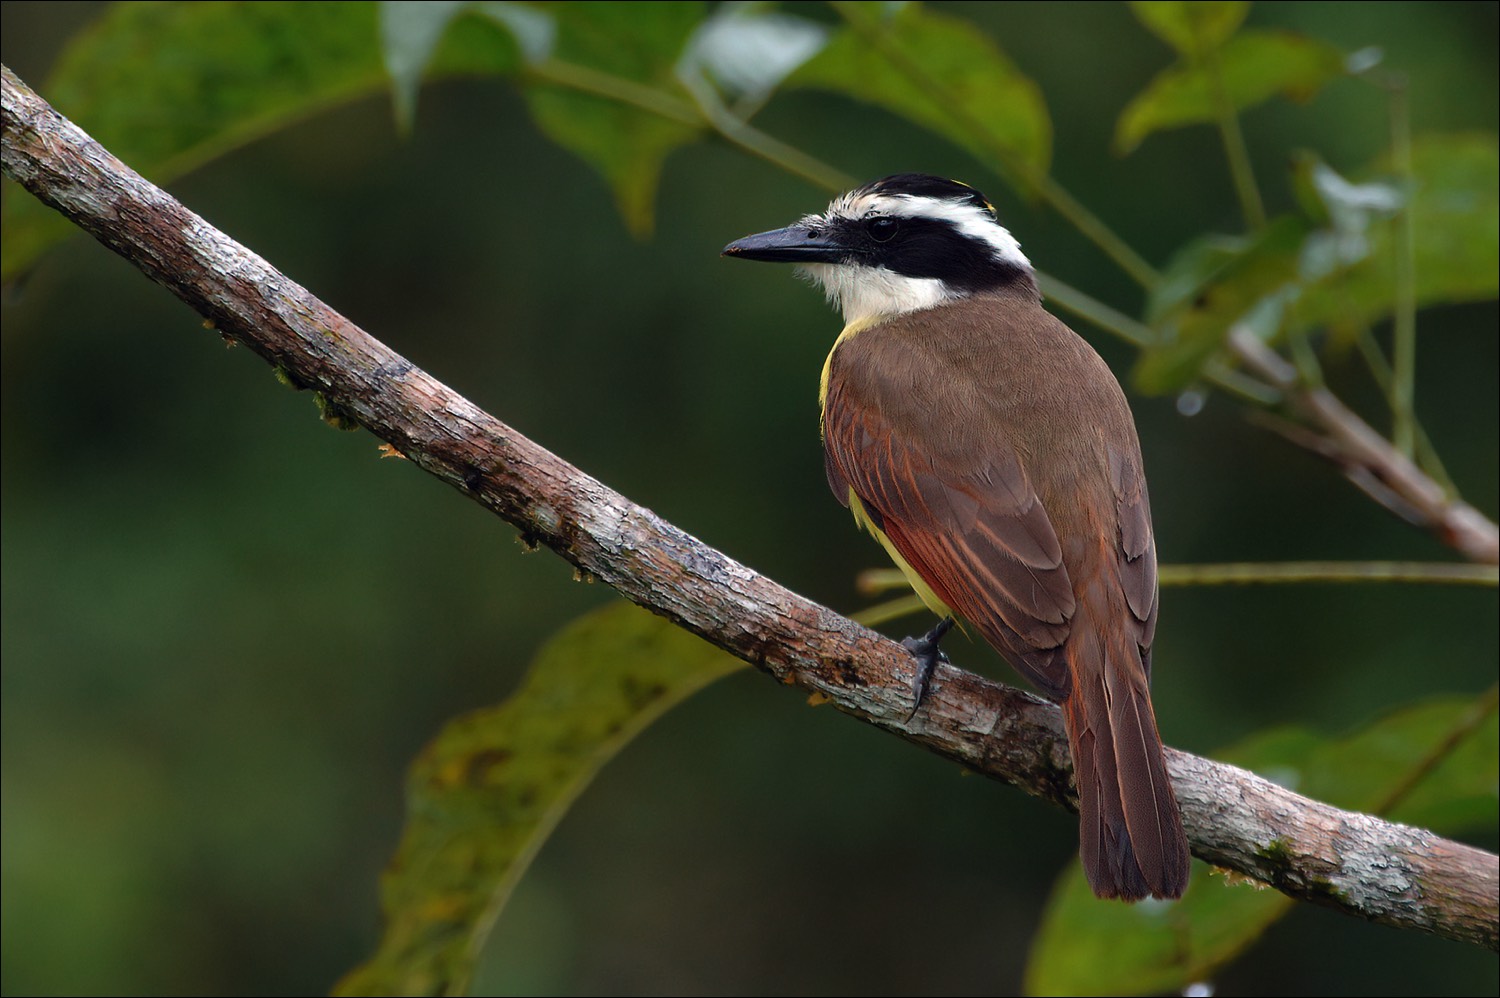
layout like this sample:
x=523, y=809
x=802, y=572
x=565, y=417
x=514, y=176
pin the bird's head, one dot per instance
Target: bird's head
x=906, y=242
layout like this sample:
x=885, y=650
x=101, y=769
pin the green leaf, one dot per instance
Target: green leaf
x=1255, y=66
x=1362, y=770
x=1091, y=947
x=1459, y=794
x=1439, y=757
x=167, y=87
x=639, y=43
x=1348, y=209
x=1209, y=286
x=1455, y=214
x=410, y=31
x=409, y=34
x=1335, y=270
x=941, y=73
x=1191, y=28
x=485, y=795
x=748, y=51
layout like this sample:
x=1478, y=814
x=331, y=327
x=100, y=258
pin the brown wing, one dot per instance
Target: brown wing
x=1137, y=553
x=977, y=534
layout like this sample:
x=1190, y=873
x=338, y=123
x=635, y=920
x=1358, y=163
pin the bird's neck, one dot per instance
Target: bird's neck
x=850, y=330
x=867, y=293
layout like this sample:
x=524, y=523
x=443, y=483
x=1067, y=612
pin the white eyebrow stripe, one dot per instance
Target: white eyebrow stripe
x=971, y=221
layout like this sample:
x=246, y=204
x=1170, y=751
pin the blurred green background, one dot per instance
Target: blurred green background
x=227, y=629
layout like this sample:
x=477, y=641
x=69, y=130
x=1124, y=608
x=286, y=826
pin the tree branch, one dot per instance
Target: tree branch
x=1369, y=460
x=1359, y=864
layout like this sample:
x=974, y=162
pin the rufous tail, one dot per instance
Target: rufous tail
x=1130, y=828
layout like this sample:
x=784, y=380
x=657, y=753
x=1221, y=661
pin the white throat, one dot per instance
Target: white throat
x=867, y=293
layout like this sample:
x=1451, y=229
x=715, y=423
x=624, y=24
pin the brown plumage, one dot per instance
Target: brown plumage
x=993, y=454
x=996, y=452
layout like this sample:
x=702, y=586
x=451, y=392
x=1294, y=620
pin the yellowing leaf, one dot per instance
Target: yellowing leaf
x=1191, y=26
x=484, y=796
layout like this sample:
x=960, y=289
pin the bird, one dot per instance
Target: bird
x=992, y=453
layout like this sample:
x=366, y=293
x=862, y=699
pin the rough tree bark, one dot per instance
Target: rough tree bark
x=1353, y=862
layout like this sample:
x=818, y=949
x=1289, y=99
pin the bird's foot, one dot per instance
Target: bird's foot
x=928, y=656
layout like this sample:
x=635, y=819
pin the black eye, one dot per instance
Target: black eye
x=881, y=228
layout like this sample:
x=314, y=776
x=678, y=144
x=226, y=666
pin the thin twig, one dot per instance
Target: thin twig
x=1240, y=169
x=1380, y=370
x=586, y=79
x=741, y=133
x=893, y=609
x=706, y=110
x=1368, y=459
x=879, y=580
x=1404, y=358
x=1280, y=573
x=1138, y=334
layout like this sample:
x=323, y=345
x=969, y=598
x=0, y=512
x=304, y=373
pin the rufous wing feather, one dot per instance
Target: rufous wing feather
x=980, y=538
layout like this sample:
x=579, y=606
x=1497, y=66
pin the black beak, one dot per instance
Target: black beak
x=793, y=244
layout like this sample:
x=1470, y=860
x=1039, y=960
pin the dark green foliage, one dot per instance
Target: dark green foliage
x=225, y=638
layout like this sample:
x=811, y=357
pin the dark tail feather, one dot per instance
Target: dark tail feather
x=1130, y=828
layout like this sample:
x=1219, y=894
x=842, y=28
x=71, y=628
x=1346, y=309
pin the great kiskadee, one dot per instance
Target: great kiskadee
x=992, y=453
